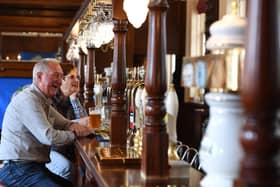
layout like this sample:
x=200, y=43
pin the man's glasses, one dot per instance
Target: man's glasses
x=56, y=75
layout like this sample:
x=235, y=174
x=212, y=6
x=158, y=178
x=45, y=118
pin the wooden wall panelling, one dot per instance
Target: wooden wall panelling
x=29, y=22
x=16, y=69
x=175, y=33
x=37, y=16
x=103, y=59
x=212, y=15
x=13, y=45
x=189, y=125
x=175, y=23
x=130, y=47
x=176, y=27
x=189, y=129
x=50, y=3
x=141, y=37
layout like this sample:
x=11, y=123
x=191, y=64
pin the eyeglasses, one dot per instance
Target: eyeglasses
x=56, y=75
x=72, y=77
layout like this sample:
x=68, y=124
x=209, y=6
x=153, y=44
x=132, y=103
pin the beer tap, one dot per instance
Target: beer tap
x=136, y=112
x=98, y=92
x=106, y=96
x=172, y=107
x=220, y=150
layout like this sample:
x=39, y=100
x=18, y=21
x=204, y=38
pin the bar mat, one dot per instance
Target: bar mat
x=117, y=156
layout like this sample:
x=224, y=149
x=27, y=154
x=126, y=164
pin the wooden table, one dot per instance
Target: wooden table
x=91, y=173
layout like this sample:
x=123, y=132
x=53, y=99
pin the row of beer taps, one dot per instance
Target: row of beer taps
x=136, y=100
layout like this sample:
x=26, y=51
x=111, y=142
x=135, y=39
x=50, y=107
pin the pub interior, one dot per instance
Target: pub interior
x=187, y=89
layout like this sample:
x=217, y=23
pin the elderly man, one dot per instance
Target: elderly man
x=30, y=126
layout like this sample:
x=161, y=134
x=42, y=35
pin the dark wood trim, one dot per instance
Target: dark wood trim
x=37, y=16
x=21, y=69
x=16, y=69
x=16, y=28
x=40, y=3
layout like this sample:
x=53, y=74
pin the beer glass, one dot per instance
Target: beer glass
x=94, y=117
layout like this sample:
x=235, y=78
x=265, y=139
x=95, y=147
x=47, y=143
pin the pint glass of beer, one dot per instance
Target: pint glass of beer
x=94, y=117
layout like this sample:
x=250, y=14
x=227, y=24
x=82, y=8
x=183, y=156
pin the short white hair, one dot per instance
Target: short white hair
x=42, y=66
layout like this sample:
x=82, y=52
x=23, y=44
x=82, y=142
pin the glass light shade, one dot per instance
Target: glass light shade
x=73, y=52
x=99, y=33
x=82, y=42
x=108, y=32
x=75, y=30
x=136, y=11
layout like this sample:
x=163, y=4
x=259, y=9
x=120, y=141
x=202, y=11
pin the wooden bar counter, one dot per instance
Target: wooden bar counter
x=90, y=172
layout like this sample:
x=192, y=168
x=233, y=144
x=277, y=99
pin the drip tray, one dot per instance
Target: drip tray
x=117, y=156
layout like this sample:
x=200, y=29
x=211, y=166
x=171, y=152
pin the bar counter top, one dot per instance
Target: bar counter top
x=92, y=172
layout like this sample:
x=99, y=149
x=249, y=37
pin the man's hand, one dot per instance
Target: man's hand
x=83, y=121
x=80, y=130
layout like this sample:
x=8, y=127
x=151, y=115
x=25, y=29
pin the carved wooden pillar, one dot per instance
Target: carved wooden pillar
x=89, y=79
x=155, y=138
x=119, y=115
x=81, y=73
x=260, y=94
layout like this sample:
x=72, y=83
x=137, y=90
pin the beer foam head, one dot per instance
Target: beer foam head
x=94, y=111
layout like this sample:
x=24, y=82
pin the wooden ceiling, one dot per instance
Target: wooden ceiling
x=55, y=16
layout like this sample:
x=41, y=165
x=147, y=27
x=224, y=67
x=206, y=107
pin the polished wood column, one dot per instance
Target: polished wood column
x=260, y=95
x=154, y=163
x=119, y=115
x=89, y=79
x=81, y=73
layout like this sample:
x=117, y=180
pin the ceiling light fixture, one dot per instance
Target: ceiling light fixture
x=136, y=11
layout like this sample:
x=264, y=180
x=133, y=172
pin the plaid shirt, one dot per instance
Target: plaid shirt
x=79, y=110
x=71, y=109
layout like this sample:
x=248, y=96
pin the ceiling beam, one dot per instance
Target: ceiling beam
x=22, y=20
x=38, y=15
x=32, y=29
x=32, y=12
x=42, y=3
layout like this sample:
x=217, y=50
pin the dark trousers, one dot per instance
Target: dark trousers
x=25, y=174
